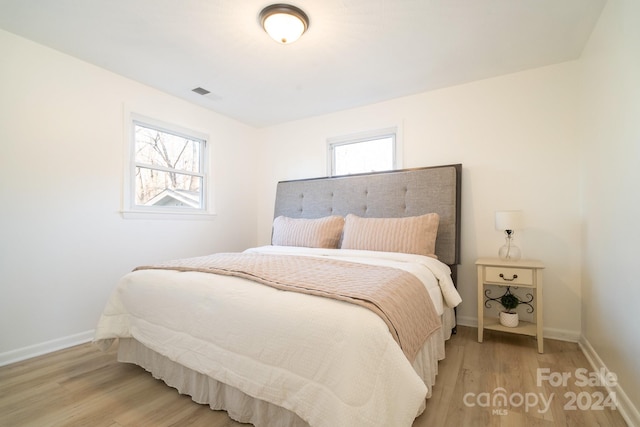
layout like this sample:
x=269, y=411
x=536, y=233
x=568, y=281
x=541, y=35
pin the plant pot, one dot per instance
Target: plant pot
x=510, y=320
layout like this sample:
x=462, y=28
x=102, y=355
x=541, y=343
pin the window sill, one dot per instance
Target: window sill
x=173, y=215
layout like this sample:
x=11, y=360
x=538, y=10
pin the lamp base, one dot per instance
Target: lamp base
x=509, y=253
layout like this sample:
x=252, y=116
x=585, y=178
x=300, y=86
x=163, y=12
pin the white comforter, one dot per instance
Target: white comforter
x=331, y=362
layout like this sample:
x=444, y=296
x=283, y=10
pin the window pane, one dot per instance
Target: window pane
x=157, y=148
x=366, y=156
x=159, y=188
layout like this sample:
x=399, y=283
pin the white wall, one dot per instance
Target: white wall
x=515, y=136
x=611, y=137
x=63, y=242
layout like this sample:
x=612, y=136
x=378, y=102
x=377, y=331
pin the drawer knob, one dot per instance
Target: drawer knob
x=515, y=276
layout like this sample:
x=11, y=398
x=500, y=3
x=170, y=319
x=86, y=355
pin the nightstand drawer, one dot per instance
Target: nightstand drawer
x=509, y=276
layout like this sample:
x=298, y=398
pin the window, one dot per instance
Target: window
x=167, y=171
x=367, y=152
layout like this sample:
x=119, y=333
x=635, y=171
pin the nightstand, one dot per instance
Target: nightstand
x=526, y=273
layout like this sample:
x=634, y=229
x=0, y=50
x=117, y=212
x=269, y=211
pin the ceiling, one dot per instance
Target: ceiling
x=356, y=52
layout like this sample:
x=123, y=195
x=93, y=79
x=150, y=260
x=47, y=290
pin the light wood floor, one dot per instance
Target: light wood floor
x=82, y=386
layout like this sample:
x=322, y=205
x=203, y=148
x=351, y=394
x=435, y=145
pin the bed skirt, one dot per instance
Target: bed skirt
x=246, y=409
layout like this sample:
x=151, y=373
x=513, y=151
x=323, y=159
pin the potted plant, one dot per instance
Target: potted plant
x=509, y=317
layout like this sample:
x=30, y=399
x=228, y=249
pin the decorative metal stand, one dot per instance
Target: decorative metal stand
x=487, y=302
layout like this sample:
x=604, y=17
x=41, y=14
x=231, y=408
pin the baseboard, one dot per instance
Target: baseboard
x=551, y=333
x=472, y=322
x=562, y=334
x=35, y=350
x=626, y=408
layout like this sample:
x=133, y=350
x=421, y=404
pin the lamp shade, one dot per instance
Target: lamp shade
x=509, y=220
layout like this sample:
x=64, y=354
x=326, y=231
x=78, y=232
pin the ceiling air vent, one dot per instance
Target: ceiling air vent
x=200, y=91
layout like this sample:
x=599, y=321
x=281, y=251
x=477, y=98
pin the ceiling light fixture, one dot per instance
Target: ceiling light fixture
x=283, y=22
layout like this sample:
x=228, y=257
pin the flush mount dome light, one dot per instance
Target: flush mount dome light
x=283, y=22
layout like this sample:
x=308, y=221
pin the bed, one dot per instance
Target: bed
x=269, y=355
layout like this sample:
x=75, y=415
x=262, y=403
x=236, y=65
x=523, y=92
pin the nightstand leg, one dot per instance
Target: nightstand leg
x=480, y=303
x=539, y=327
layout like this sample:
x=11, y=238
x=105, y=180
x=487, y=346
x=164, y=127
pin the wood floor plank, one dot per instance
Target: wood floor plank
x=83, y=386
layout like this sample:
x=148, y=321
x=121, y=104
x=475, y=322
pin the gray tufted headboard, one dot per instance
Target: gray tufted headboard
x=401, y=193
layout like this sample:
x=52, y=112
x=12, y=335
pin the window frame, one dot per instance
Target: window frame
x=135, y=211
x=393, y=132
